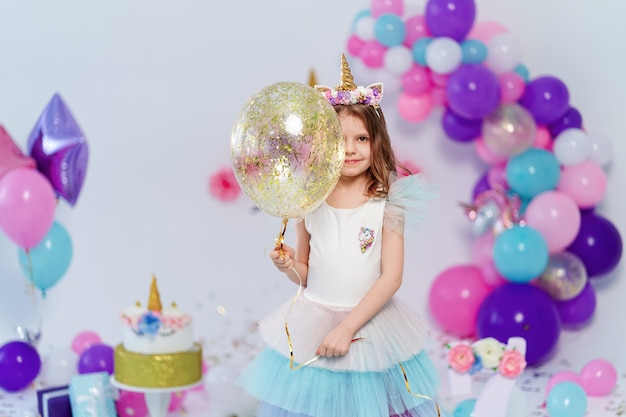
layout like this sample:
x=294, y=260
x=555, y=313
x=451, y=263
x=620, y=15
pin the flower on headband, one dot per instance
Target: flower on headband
x=360, y=95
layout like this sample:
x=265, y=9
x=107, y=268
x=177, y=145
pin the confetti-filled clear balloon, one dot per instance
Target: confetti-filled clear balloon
x=509, y=130
x=287, y=149
x=564, y=277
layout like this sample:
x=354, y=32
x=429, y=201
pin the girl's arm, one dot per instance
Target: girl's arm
x=337, y=342
x=298, y=258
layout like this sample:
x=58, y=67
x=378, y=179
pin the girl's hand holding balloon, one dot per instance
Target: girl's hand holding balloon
x=284, y=258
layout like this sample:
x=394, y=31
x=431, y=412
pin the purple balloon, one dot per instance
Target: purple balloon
x=96, y=358
x=572, y=119
x=19, y=365
x=481, y=185
x=450, y=18
x=459, y=128
x=473, y=91
x=546, y=98
x=577, y=312
x=65, y=169
x=60, y=149
x=598, y=244
x=521, y=310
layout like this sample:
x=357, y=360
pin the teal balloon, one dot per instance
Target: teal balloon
x=520, y=254
x=473, y=51
x=567, y=399
x=465, y=408
x=49, y=260
x=532, y=172
x=522, y=71
x=418, y=50
x=389, y=29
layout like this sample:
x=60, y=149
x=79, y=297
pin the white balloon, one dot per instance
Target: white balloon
x=503, y=53
x=571, y=147
x=364, y=28
x=443, y=55
x=414, y=7
x=398, y=59
x=601, y=148
x=58, y=367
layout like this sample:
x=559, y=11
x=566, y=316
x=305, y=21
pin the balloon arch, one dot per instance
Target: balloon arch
x=539, y=242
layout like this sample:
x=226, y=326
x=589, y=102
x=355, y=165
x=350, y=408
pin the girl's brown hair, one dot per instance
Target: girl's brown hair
x=383, y=162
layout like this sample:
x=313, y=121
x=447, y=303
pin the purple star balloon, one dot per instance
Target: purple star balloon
x=60, y=149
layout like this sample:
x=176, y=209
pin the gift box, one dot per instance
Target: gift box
x=54, y=402
x=92, y=395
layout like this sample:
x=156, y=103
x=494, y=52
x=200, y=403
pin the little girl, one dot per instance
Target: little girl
x=344, y=347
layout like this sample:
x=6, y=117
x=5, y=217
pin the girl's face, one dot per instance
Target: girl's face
x=357, y=146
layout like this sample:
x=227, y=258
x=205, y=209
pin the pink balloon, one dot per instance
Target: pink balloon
x=482, y=256
x=355, y=45
x=598, y=377
x=496, y=177
x=381, y=7
x=454, y=299
x=373, y=54
x=562, y=376
x=85, y=340
x=584, y=182
x=543, y=139
x=439, y=96
x=439, y=80
x=484, y=31
x=416, y=80
x=131, y=404
x=416, y=28
x=415, y=108
x=556, y=216
x=511, y=87
x=27, y=205
x=486, y=154
x=11, y=156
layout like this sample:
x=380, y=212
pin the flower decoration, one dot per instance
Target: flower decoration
x=487, y=353
x=360, y=95
x=223, y=185
x=149, y=323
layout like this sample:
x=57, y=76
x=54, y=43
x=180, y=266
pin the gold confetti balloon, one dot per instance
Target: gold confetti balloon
x=287, y=149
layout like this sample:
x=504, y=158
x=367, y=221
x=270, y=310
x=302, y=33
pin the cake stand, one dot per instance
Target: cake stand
x=157, y=399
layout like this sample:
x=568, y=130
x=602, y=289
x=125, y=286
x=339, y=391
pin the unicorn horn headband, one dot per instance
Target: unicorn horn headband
x=348, y=92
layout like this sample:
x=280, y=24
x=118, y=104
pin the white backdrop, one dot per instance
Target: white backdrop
x=155, y=86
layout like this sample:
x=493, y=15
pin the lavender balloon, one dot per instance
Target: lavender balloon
x=96, y=358
x=547, y=99
x=473, y=91
x=60, y=149
x=577, y=312
x=572, y=119
x=522, y=310
x=19, y=365
x=598, y=244
x=450, y=18
x=459, y=128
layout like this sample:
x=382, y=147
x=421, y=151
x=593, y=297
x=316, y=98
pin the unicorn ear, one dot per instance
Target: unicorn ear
x=378, y=86
x=322, y=88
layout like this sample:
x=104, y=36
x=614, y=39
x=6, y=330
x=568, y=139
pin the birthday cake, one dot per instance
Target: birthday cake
x=157, y=349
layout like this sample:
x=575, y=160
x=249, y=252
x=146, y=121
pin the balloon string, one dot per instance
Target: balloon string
x=279, y=245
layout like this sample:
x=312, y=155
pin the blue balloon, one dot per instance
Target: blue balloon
x=532, y=172
x=522, y=71
x=419, y=50
x=46, y=263
x=389, y=29
x=567, y=399
x=465, y=408
x=520, y=254
x=473, y=51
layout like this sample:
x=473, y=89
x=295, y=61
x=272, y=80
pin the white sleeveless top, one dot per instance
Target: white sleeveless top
x=345, y=252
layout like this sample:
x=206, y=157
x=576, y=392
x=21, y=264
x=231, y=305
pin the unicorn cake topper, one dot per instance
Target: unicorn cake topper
x=154, y=301
x=348, y=92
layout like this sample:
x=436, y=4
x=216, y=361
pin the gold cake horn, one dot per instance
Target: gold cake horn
x=347, y=82
x=154, y=302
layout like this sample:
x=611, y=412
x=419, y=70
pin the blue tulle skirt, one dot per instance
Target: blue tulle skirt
x=386, y=373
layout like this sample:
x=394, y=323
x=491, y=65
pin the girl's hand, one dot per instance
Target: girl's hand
x=285, y=260
x=336, y=343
